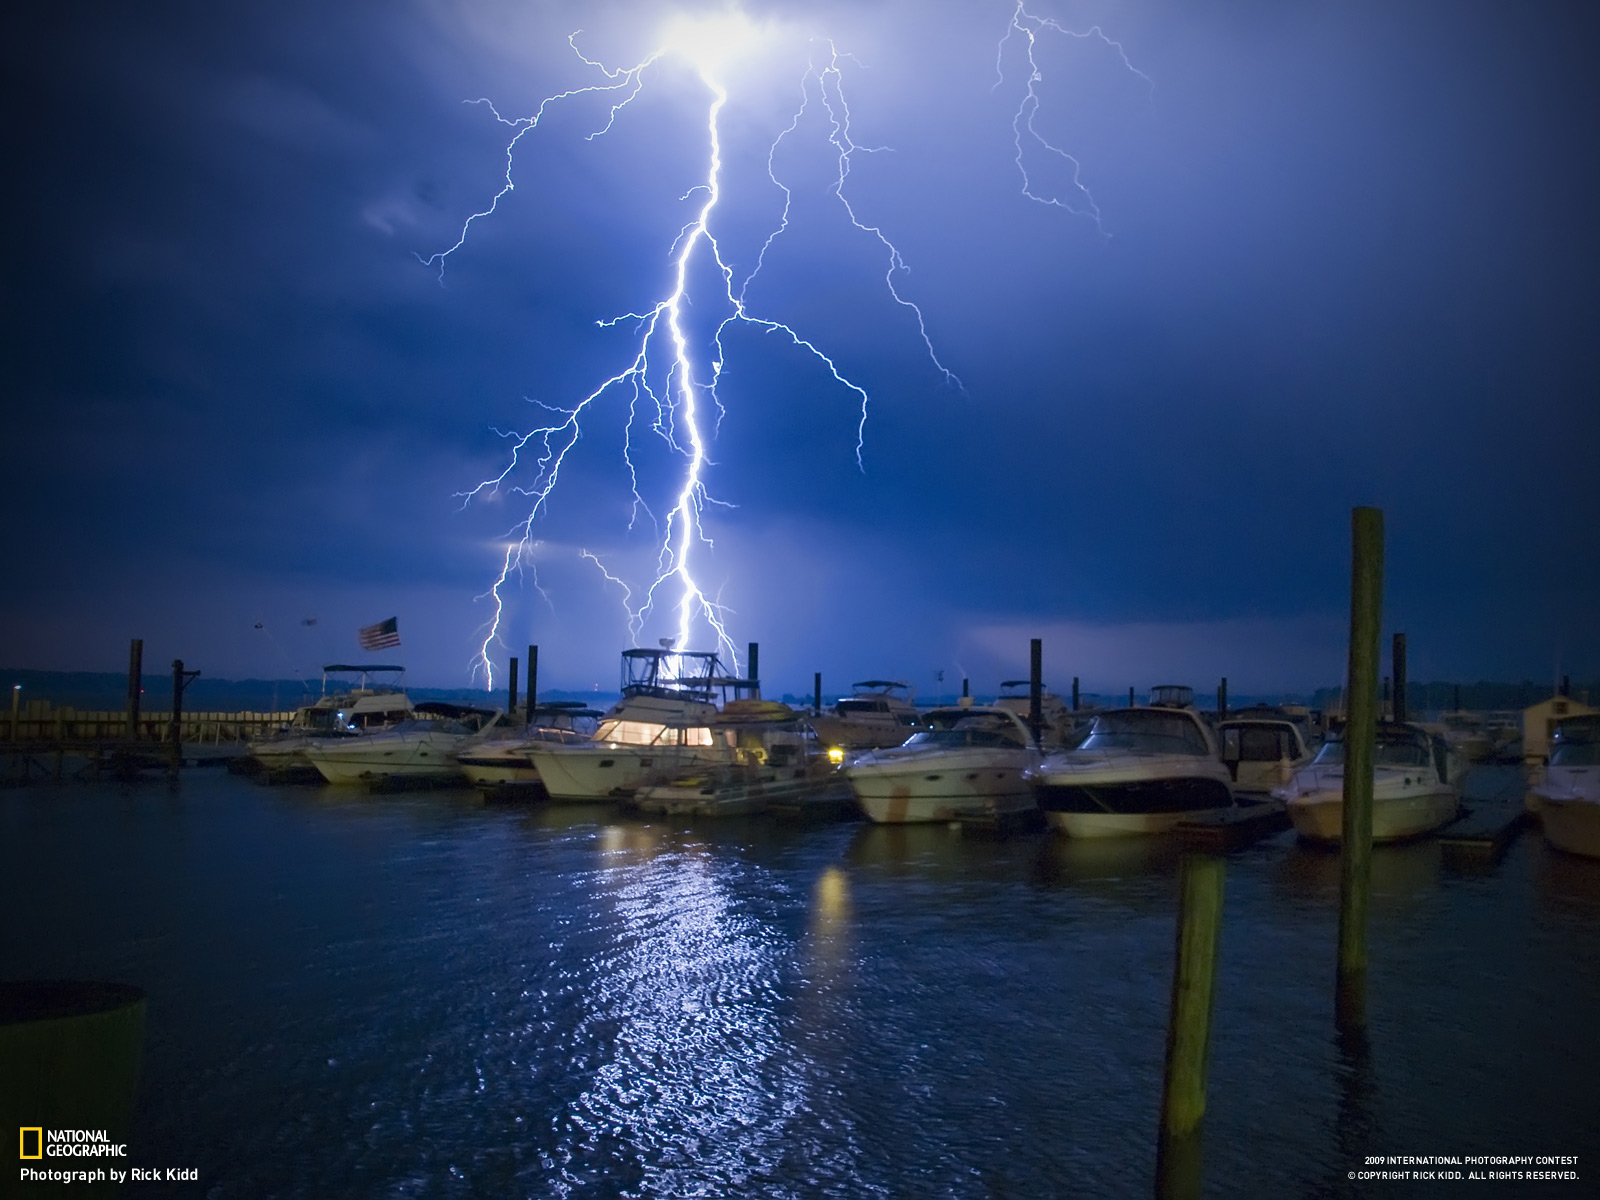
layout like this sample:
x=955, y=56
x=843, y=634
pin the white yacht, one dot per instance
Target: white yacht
x=1058, y=724
x=879, y=712
x=499, y=762
x=662, y=725
x=1139, y=771
x=969, y=761
x=423, y=746
x=373, y=699
x=1262, y=751
x=776, y=759
x=1416, y=786
x=1567, y=800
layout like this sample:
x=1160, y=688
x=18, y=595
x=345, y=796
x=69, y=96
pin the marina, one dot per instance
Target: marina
x=426, y=994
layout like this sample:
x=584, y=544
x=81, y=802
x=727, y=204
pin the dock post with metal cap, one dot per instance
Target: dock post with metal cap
x=1035, y=688
x=1360, y=731
x=1194, y=986
x=135, y=678
x=1397, y=664
x=533, y=682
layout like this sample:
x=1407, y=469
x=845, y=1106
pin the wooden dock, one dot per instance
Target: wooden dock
x=1234, y=828
x=1481, y=836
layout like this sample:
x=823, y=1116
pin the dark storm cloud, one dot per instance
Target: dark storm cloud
x=1350, y=260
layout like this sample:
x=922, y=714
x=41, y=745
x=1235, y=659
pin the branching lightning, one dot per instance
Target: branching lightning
x=680, y=398
x=1029, y=27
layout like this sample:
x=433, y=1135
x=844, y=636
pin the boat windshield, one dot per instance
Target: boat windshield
x=1263, y=743
x=1389, y=750
x=1145, y=732
x=847, y=708
x=1576, y=754
x=968, y=731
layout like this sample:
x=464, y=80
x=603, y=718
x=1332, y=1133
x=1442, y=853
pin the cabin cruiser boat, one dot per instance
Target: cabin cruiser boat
x=373, y=700
x=776, y=760
x=662, y=726
x=421, y=747
x=498, y=761
x=1171, y=695
x=1567, y=800
x=1057, y=722
x=1416, y=786
x=968, y=761
x=878, y=713
x=1262, y=751
x=1139, y=771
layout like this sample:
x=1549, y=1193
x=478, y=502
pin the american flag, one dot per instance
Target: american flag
x=382, y=636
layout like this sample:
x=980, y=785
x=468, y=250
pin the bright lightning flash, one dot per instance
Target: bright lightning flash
x=664, y=371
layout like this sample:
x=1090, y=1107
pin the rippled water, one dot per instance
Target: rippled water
x=421, y=996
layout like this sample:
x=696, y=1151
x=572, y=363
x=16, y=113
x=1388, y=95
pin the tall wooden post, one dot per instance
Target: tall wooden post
x=1035, y=688
x=1355, y=845
x=135, y=676
x=1074, y=693
x=1222, y=699
x=753, y=663
x=1194, y=985
x=966, y=688
x=16, y=699
x=816, y=693
x=533, y=683
x=175, y=726
x=513, y=686
x=1130, y=697
x=1397, y=666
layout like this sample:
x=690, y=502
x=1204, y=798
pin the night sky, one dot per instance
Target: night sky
x=1346, y=254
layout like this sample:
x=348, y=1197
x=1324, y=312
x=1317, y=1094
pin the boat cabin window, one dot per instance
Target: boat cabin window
x=1146, y=732
x=847, y=707
x=960, y=729
x=1263, y=743
x=630, y=733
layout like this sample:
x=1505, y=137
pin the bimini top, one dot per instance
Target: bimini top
x=668, y=672
x=884, y=684
x=348, y=667
x=1171, y=695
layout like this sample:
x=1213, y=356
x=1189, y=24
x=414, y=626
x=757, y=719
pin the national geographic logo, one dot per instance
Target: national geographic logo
x=38, y=1143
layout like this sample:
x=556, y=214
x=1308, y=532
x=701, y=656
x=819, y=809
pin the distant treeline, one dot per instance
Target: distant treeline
x=1482, y=696
x=108, y=691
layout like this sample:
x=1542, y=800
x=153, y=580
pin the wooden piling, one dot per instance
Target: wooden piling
x=135, y=675
x=1397, y=667
x=1074, y=693
x=1355, y=846
x=1222, y=699
x=533, y=683
x=1194, y=978
x=1035, y=688
x=816, y=693
x=966, y=687
x=175, y=723
x=753, y=669
x=512, y=672
x=1130, y=697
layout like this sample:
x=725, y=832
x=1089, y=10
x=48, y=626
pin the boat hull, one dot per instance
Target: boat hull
x=589, y=773
x=1130, y=808
x=917, y=788
x=379, y=758
x=1319, y=816
x=1572, y=824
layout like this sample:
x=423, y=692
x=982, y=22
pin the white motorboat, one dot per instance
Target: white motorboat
x=1262, y=751
x=499, y=762
x=1567, y=800
x=1058, y=724
x=371, y=701
x=879, y=712
x=968, y=762
x=1140, y=771
x=1416, y=786
x=662, y=726
x=422, y=747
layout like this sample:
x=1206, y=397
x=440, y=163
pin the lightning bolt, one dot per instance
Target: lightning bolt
x=680, y=399
x=1029, y=27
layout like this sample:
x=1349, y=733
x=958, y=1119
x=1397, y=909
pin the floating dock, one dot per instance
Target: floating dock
x=1481, y=836
x=1225, y=831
